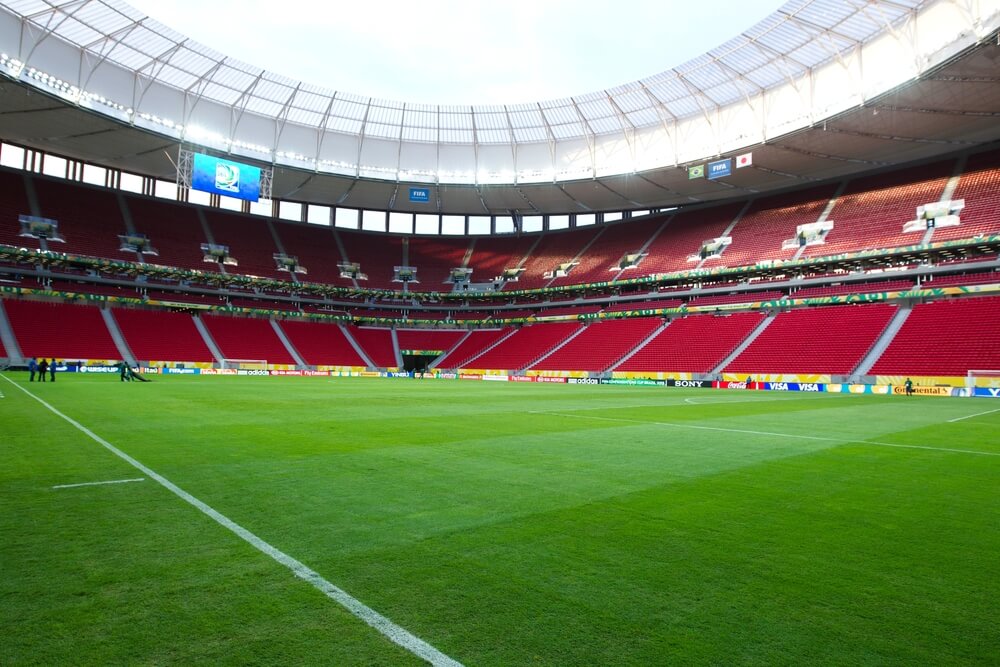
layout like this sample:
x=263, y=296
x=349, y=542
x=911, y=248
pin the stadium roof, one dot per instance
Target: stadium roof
x=810, y=62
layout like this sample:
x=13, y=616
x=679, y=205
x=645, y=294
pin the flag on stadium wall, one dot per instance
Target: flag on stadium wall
x=744, y=160
x=697, y=171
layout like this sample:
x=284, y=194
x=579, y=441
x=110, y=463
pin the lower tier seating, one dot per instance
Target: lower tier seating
x=526, y=346
x=832, y=339
x=60, y=330
x=693, y=344
x=247, y=338
x=321, y=344
x=945, y=338
x=472, y=347
x=377, y=344
x=600, y=345
x=156, y=335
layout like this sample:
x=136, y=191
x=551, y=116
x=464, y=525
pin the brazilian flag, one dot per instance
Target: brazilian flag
x=697, y=171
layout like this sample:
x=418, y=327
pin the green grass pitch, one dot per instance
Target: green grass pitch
x=501, y=524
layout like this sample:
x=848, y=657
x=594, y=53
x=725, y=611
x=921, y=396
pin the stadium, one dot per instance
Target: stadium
x=697, y=369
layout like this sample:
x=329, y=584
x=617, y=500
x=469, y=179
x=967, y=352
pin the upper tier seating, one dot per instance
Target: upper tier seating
x=156, y=335
x=435, y=258
x=644, y=305
x=770, y=221
x=250, y=243
x=693, y=344
x=739, y=297
x=683, y=236
x=247, y=338
x=600, y=262
x=14, y=203
x=316, y=249
x=472, y=347
x=832, y=339
x=526, y=346
x=872, y=211
x=173, y=229
x=553, y=249
x=377, y=255
x=321, y=344
x=980, y=188
x=60, y=330
x=490, y=256
x=947, y=337
x=90, y=219
x=963, y=279
x=377, y=344
x=601, y=344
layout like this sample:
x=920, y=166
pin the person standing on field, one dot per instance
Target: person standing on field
x=52, y=370
x=909, y=386
x=43, y=368
x=32, y=369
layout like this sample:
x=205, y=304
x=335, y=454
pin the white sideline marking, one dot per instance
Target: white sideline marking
x=952, y=421
x=113, y=481
x=779, y=435
x=394, y=633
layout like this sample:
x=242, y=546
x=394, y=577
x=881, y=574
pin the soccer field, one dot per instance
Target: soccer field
x=493, y=524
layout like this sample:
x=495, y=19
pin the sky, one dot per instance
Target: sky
x=462, y=52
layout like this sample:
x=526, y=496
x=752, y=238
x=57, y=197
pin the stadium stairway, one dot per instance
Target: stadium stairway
x=207, y=337
x=891, y=329
x=14, y=356
x=499, y=341
x=639, y=346
x=117, y=337
x=357, y=347
x=288, y=345
x=758, y=330
x=454, y=347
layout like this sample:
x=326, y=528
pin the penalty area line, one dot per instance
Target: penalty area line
x=394, y=633
x=110, y=481
x=840, y=441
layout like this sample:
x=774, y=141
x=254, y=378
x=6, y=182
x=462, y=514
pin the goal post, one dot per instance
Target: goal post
x=245, y=364
x=981, y=378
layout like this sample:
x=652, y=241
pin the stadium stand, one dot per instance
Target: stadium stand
x=693, y=344
x=553, y=249
x=320, y=343
x=60, y=330
x=852, y=288
x=316, y=249
x=173, y=229
x=600, y=345
x=90, y=219
x=948, y=337
x=249, y=241
x=683, y=236
x=738, y=297
x=490, y=256
x=435, y=258
x=600, y=262
x=154, y=335
x=963, y=279
x=377, y=344
x=644, y=305
x=376, y=255
x=872, y=210
x=472, y=347
x=526, y=346
x=423, y=339
x=14, y=203
x=979, y=186
x=246, y=338
x=770, y=221
x=832, y=339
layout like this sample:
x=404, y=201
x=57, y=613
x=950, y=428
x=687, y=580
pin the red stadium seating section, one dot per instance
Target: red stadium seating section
x=173, y=229
x=683, y=236
x=377, y=344
x=14, y=203
x=60, y=330
x=600, y=345
x=695, y=344
x=421, y=339
x=246, y=338
x=831, y=339
x=154, y=335
x=526, y=346
x=321, y=344
x=980, y=188
x=945, y=338
x=852, y=288
x=470, y=348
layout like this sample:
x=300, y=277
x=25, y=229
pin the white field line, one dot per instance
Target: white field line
x=387, y=628
x=978, y=414
x=113, y=481
x=770, y=433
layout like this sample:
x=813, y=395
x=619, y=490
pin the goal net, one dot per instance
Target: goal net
x=245, y=364
x=984, y=379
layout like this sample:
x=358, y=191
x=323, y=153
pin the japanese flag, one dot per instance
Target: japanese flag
x=744, y=160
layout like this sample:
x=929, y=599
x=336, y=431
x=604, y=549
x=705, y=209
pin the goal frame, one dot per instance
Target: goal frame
x=973, y=374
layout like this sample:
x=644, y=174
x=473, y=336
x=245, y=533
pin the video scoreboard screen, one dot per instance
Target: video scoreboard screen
x=224, y=177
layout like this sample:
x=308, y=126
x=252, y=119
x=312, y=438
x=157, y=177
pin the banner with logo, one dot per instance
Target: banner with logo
x=690, y=384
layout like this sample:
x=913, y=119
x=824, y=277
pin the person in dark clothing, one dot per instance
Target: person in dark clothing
x=52, y=370
x=909, y=386
x=32, y=369
x=43, y=368
x=125, y=374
